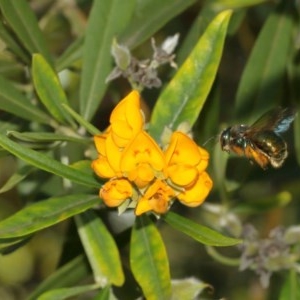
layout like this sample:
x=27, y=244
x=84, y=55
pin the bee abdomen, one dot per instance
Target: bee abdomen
x=273, y=146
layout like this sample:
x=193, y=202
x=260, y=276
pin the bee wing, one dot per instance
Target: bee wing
x=277, y=120
x=288, y=116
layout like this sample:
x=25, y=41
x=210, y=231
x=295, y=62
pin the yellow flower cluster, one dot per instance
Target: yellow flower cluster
x=142, y=174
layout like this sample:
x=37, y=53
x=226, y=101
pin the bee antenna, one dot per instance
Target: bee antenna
x=213, y=137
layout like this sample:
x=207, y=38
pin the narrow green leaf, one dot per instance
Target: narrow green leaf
x=24, y=23
x=64, y=293
x=10, y=124
x=101, y=249
x=184, y=97
x=291, y=287
x=7, y=38
x=106, y=20
x=294, y=82
x=12, y=101
x=47, y=164
x=49, y=89
x=205, y=16
x=297, y=138
x=105, y=294
x=72, y=54
x=188, y=288
x=10, y=245
x=85, y=124
x=45, y=137
x=44, y=214
x=234, y=4
x=199, y=232
x=149, y=16
x=219, y=163
x=69, y=274
x=262, y=204
x=264, y=74
x=148, y=260
x=17, y=177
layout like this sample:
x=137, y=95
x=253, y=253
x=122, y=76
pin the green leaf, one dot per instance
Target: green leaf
x=105, y=294
x=9, y=124
x=16, y=178
x=101, y=249
x=24, y=23
x=12, y=101
x=44, y=214
x=294, y=82
x=199, y=232
x=188, y=288
x=291, y=287
x=264, y=74
x=72, y=54
x=148, y=260
x=149, y=16
x=205, y=16
x=262, y=204
x=69, y=274
x=184, y=97
x=10, y=245
x=234, y=4
x=45, y=137
x=64, y=293
x=85, y=124
x=106, y=20
x=48, y=164
x=7, y=38
x=49, y=89
x=297, y=138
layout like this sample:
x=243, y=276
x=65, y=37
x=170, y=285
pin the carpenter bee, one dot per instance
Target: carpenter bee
x=261, y=142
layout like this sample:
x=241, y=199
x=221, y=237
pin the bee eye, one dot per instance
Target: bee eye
x=225, y=137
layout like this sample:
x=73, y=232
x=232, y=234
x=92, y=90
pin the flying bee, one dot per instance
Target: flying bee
x=261, y=142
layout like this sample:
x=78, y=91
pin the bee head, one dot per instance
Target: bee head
x=225, y=139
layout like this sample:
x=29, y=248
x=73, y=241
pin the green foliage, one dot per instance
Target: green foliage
x=262, y=80
x=200, y=66
x=95, y=237
x=148, y=260
x=54, y=96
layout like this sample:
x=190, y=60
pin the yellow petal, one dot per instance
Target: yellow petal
x=123, y=109
x=99, y=141
x=157, y=198
x=115, y=192
x=127, y=119
x=196, y=194
x=182, y=175
x=143, y=149
x=113, y=154
x=122, y=133
x=142, y=175
x=142, y=207
x=182, y=150
x=102, y=168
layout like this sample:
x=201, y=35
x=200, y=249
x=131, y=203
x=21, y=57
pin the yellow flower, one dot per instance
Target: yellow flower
x=157, y=198
x=139, y=170
x=115, y=192
x=142, y=160
x=102, y=168
x=126, y=119
x=195, y=194
x=108, y=163
x=99, y=141
x=184, y=159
